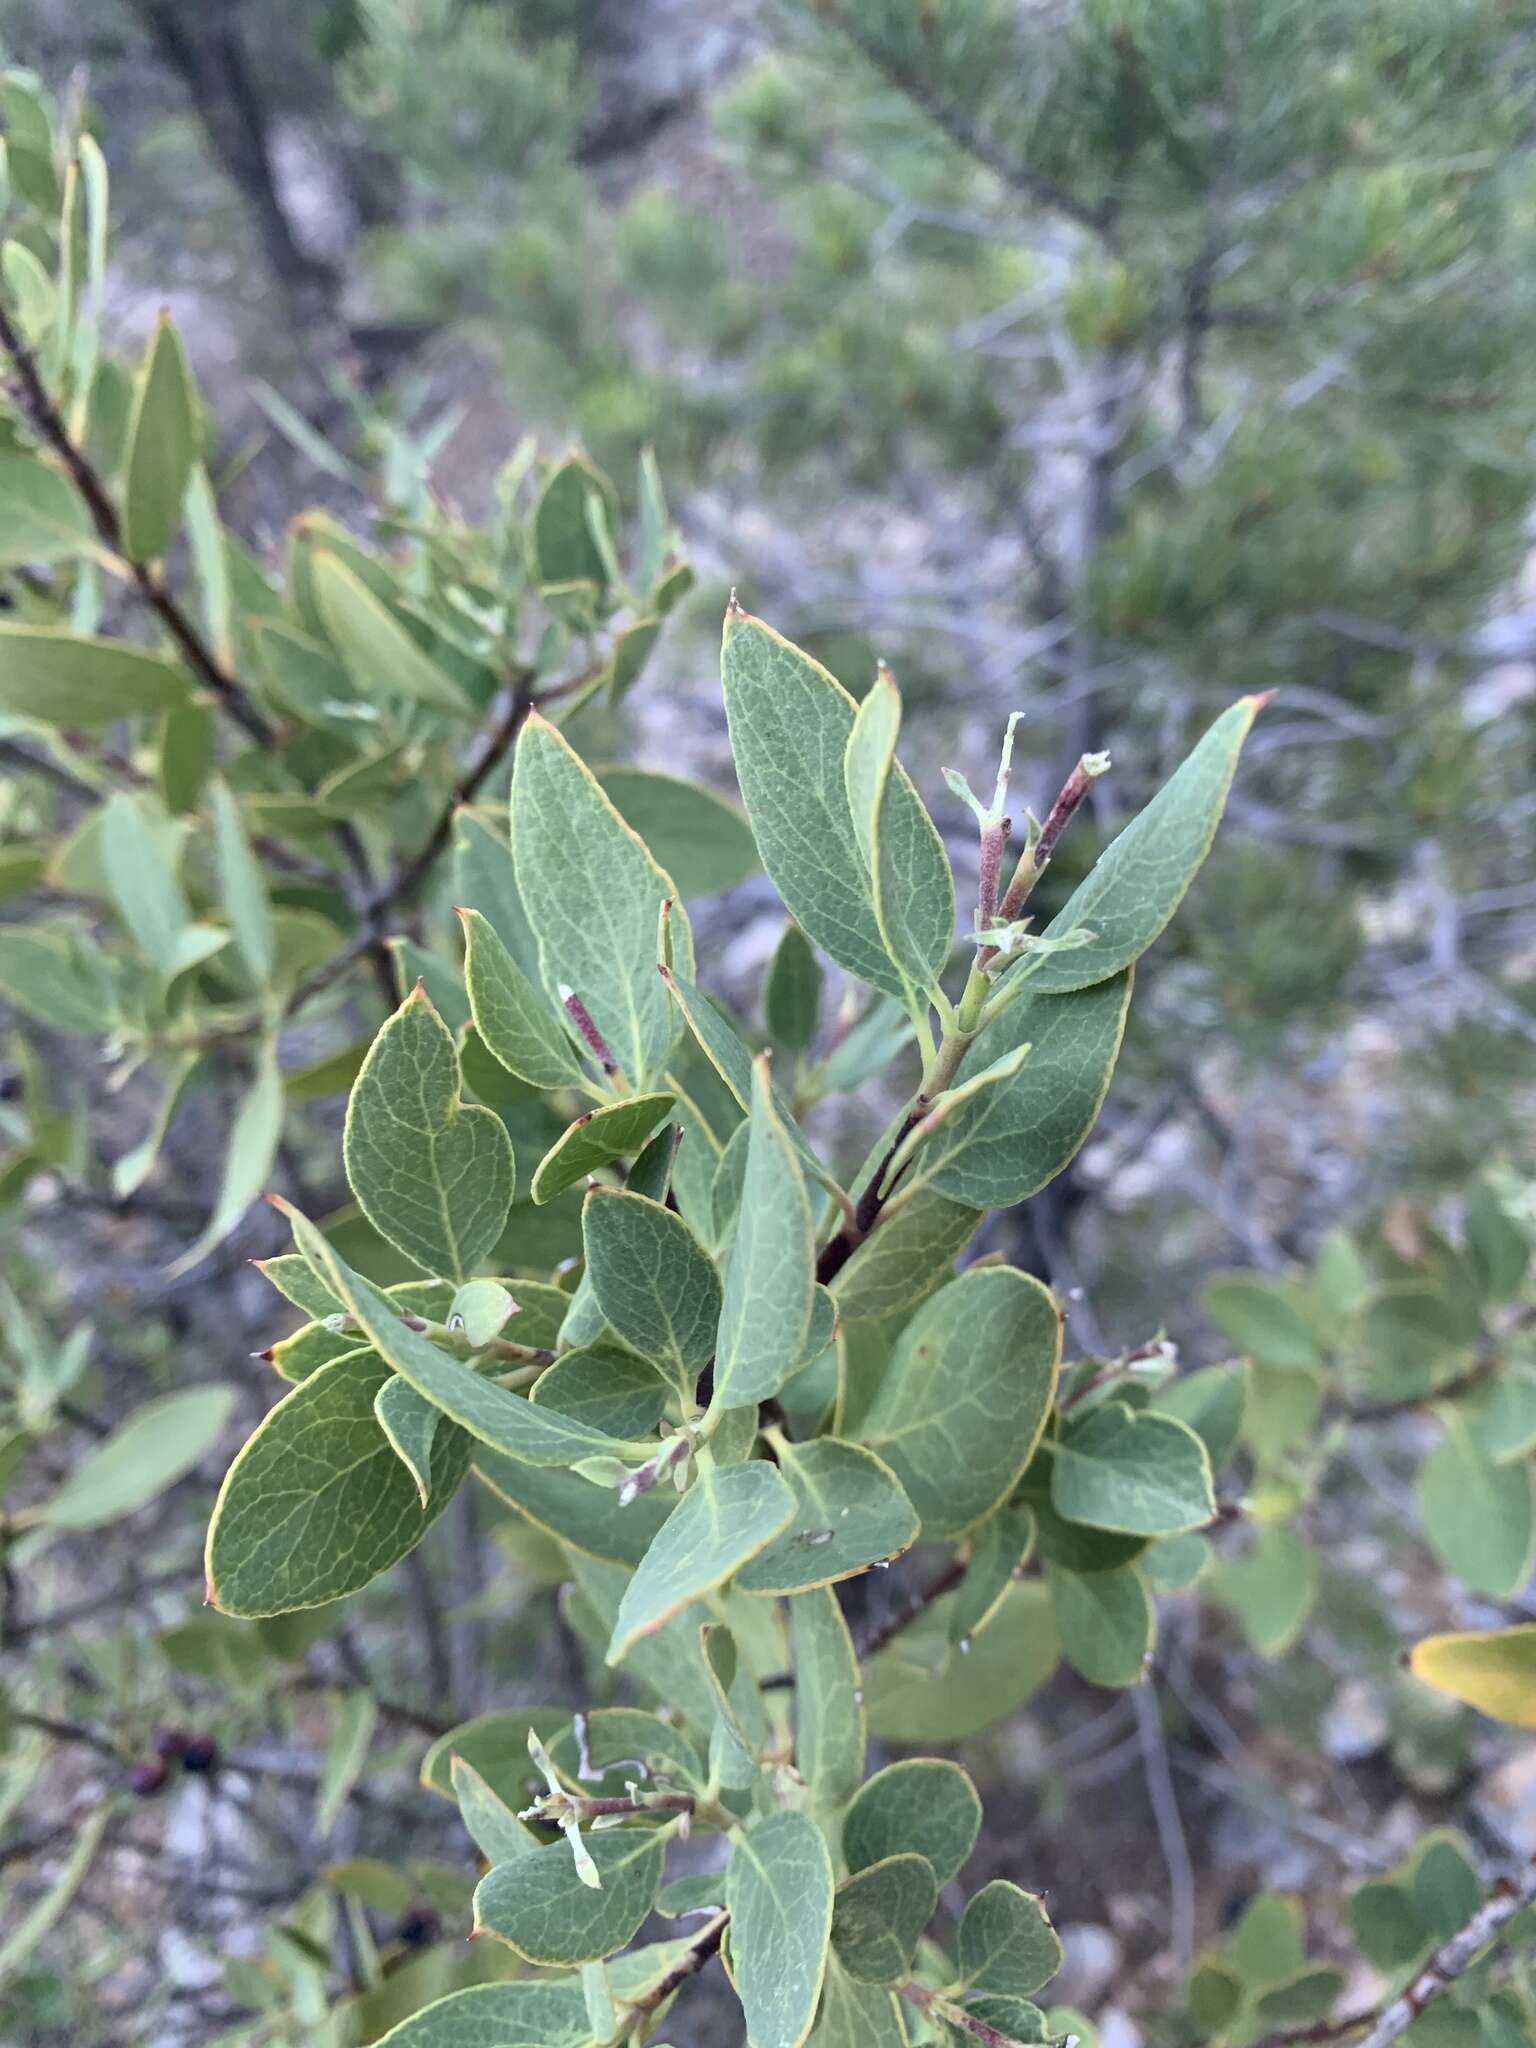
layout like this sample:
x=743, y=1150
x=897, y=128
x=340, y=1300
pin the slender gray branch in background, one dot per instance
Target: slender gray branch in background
x=1164, y=1802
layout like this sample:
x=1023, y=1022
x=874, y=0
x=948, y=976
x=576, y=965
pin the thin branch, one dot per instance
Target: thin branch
x=933, y=2005
x=699, y=1952
x=73, y=1732
x=49, y=426
x=911, y=1609
x=1171, y=1838
x=380, y=905
x=492, y=750
x=1388, y=2023
x=101, y=1603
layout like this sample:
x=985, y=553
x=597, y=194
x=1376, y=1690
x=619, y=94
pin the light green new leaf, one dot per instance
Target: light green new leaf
x=375, y=649
x=614, y=1130
x=829, y=1699
x=1005, y=1943
x=1271, y=1587
x=792, y=992
x=594, y=908
x=158, y=1444
x=73, y=679
x=1494, y=1671
x=550, y=2014
x=1000, y=1547
x=1145, y=1475
x=253, y=1140
x=923, y=1689
x=632, y=649
x=539, y=1905
x=725, y=1517
x=1498, y=1249
x=654, y=1282
x=606, y=1384
x=912, y=892
x=1211, y=1401
x=410, y=1423
x=855, y=2015
x=433, y=1175
x=43, y=518
x=516, y=1021
x=731, y=1057
x=505, y=1421
x=482, y=1309
x=162, y=446
x=1104, y=1622
x=1480, y=1518
x=960, y=1409
x=188, y=739
x=242, y=883
x=850, y=1513
x=316, y=1504
x=1501, y=1413
x=1139, y=881
x=297, y=1281
x=564, y=546
x=670, y=1664
x=210, y=553
x=493, y=1826
x=27, y=1929
x=131, y=1169
x=878, y=1917
x=770, y=1280
x=779, y=1891
x=1262, y=1317
x=496, y=1746
x=59, y=976
x=141, y=861
x=702, y=1892
x=740, y=1733
x=588, y=1519
x=926, y=1805
x=353, y=1721
x=790, y=724
x=1006, y=1141
x=905, y=1256
x=700, y=837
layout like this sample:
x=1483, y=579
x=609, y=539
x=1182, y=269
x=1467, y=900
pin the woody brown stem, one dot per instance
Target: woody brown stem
x=699, y=1952
x=945, y=2010
x=1035, y=858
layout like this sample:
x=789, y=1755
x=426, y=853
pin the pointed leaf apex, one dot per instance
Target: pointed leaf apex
x=733, y=608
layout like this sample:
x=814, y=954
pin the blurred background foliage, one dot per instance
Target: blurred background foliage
x=1097, y=360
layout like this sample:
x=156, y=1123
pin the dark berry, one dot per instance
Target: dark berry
x=419, y=1927
x=147, y=1778
x=199, y=1753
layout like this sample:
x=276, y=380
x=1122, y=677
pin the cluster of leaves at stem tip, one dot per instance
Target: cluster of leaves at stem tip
x=756, y=1383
